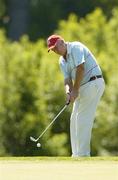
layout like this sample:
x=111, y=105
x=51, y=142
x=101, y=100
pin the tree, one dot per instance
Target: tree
x=2, y=8
x=32, y=92
x=19, y=18
x=40, y=18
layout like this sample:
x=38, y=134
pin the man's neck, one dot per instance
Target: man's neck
x=65, y=55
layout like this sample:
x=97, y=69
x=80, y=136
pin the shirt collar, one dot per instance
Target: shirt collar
x=68, y=48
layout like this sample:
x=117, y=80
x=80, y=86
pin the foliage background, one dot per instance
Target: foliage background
x=31, y=85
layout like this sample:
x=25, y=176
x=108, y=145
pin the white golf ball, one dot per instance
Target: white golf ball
x=38, y=145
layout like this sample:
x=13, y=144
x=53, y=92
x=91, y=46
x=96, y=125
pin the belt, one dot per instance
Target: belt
x=95, y=77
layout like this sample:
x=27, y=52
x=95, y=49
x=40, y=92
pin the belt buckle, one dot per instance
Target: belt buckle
x=95, y=77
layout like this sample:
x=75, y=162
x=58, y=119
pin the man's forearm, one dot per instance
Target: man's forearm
x=79, y=77
x=68, y=85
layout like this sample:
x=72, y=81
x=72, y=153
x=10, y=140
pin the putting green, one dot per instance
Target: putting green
x=58, y=169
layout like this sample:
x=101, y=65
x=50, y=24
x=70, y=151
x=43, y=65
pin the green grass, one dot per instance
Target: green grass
x=43, y=158
x=59, y=168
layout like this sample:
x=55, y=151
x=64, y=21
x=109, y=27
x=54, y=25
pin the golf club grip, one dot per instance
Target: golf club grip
x=68, y=103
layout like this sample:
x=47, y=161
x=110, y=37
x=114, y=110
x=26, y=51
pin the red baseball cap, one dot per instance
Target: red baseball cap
x=51, y=41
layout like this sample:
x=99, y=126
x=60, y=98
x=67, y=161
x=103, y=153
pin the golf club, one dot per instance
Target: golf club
x=36, y=139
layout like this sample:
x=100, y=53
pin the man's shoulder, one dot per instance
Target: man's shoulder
x=75, y=44
x=72, y=45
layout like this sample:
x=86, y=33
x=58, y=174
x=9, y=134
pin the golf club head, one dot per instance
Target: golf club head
x=33, y=139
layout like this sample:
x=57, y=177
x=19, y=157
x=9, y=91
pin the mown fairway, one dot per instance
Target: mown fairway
x=52, y=168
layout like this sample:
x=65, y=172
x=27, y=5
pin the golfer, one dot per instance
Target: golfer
x=84, y=86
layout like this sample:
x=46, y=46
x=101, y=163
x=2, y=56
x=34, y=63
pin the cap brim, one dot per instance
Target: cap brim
x=51, y=48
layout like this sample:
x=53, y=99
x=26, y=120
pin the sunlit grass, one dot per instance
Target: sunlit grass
x=45, y=158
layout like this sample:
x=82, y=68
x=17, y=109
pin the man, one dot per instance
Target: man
x=84, y=86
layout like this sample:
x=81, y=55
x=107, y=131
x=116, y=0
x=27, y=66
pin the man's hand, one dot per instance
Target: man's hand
x=70, y=97
x=67, y=98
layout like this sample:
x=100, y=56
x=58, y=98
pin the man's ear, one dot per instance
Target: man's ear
x=60, y=41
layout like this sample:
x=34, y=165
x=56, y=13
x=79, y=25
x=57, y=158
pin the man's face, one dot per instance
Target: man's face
x=60, y=48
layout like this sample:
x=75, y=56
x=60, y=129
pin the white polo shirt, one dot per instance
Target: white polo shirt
x=77, y=53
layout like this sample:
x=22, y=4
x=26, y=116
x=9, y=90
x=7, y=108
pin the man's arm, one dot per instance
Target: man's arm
x=76, y=85
x=79, y=76
x=68, y=85
x=68, y=88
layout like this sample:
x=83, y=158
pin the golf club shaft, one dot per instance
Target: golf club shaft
x=52, y=121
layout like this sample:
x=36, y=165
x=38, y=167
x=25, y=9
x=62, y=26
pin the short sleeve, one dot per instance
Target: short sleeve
x=78, y=55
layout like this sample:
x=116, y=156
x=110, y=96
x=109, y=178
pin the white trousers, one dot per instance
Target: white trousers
x=83, y=115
